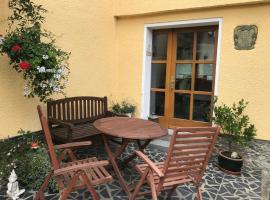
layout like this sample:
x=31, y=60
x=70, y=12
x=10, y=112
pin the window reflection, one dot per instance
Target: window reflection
x=201, y=108
x=158, y=75
x=183, y=76
x=159, y=48
x=157, y=103
x=181, y=106
x=204, y=77
x=205, y=45
x=185, y=46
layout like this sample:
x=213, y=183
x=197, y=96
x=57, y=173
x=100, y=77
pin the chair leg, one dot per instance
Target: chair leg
x=199, y=193
x=89, y=186
x=65, y=192
x=139, y=185
x=153, y=186
x=40, y=194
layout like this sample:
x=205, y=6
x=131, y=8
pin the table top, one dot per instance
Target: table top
x=130, y=128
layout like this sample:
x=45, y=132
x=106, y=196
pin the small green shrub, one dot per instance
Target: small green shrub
x=30, y=164
x=123, y=107
x=234, y=123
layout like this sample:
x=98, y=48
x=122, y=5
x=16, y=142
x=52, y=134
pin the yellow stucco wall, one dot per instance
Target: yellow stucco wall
x=243, y=74
x=139, y=7
x=87, y=29
x=106, y=41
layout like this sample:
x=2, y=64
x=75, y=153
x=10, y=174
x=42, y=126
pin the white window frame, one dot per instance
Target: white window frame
x=147, y=54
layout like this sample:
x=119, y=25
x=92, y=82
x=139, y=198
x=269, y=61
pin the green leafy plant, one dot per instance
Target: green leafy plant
x=32, y=51
x=234, y=123
x=27, y=155
x=123, y=107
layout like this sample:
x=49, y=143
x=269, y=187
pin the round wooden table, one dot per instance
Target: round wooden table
x=129, y=129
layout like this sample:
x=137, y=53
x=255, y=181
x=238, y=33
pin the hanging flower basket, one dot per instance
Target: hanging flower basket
x=32, y=51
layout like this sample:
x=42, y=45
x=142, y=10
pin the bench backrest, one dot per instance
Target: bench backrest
x=78, y=109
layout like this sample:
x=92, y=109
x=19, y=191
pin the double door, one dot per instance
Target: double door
x=183, y=75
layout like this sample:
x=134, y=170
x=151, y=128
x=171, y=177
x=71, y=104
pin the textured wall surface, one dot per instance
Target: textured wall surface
x=87, y=30
x=139, y=7
x=243, y=74
x=107, y=54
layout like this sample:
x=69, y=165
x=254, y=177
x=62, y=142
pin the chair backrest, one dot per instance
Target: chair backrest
x=48, y=138
x=77, y=109
x=189, y=151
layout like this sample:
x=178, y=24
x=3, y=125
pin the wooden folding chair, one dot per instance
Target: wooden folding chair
x=75, y=174
x=186, y=161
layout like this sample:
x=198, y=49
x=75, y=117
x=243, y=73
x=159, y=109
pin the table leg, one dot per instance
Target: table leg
x=141, y=148
x=113, y=162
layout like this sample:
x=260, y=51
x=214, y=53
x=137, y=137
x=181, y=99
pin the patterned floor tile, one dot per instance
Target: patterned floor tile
x=216, y=185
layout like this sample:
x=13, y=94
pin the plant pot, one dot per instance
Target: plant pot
x=228, y=164
x=128, y=114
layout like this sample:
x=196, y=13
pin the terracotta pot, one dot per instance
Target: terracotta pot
x=228, y=164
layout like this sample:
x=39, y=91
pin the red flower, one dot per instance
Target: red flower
x=34, y=145
x=24, y=65
x=16, y=48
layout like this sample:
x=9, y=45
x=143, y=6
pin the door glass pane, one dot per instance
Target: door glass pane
x=204, y=77
x=205, y=45
x=183, y=76
x=159, y=46
x=181, y=105
x=201, y=108
x=157, y=103
x=158, y=75
x=185, y=46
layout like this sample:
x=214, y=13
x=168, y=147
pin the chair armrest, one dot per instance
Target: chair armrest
x=150, y=163
x=73, y=144
x=82, y=166
x=60, y=122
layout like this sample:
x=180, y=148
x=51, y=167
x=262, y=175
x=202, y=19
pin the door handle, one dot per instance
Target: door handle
x=172, y=82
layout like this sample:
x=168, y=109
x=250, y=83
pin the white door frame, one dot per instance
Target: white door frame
x=147, y=54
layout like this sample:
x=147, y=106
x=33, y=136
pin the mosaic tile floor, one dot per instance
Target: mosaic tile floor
x=216, y=185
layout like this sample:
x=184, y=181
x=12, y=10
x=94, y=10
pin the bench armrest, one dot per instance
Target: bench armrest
x=60, y=122
x=82, y=166
x=73, y=144
x=149, y=163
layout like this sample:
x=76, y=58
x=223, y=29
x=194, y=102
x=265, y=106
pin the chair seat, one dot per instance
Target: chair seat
x=171, y=179
x=97, y=175
x=79, y=131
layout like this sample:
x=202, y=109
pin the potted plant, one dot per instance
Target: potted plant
x=237, y=129
x=124, y=108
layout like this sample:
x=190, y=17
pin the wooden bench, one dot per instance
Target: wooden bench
x=71, y=119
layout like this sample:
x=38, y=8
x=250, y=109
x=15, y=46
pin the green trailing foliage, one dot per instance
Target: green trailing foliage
x=33, y=52
x=28, y=156
x=123, y=107
x=234, y=123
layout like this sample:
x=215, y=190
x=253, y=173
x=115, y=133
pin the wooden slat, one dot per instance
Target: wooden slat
x=84, y=109
x=54, y=111
x=92, y=108
x=177, y=153
x=196, y=146
x=89, y=108
x=64, y=110
x=59, y=116
x=185, y=168
x=68, y=111
x=197, y=134
x=72, y=111
x=189, y=141
x=189, y=157
x=81, y=109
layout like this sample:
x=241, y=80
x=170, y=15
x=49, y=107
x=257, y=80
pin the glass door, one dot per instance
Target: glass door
x=182, y=75
x=192, y=76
